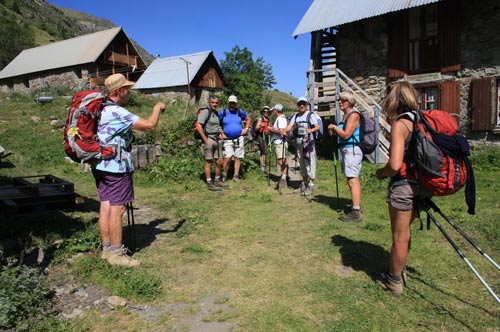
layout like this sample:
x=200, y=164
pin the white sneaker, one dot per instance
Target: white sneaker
x=301, y=189
x=309, y=190
x=120, y=257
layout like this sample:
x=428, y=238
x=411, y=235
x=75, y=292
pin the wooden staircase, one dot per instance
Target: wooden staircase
x=323, y=87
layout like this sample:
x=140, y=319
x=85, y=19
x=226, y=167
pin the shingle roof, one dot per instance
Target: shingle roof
x=169, y=72
x=323, y=14
x=69, y=52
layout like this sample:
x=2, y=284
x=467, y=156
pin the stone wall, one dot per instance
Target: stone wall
x=362, y=55
x=66, y=78
x=362, y=51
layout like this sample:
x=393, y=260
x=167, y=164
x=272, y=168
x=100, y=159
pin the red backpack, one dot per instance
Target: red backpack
x=80, y=131
x=438, y=156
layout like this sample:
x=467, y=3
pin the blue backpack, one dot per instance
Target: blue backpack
x=318, y=135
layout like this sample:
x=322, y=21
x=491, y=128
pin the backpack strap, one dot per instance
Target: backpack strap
x=357, y=142
x=410, y=115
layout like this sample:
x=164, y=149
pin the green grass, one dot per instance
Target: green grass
x=281, y=262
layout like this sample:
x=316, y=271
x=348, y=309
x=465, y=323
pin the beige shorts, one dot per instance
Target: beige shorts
x=280, y=152
x=212, y=150
x=403, y=196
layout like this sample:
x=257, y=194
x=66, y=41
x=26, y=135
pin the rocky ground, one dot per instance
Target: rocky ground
x=73, y=299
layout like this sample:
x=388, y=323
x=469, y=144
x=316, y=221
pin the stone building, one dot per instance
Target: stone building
x=449, y=49
x=75, y=64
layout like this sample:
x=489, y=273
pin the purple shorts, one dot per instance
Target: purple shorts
x=117, y=188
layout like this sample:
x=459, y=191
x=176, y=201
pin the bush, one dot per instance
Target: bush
x=22, y=297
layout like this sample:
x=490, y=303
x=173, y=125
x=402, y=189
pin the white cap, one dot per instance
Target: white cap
x=232, y=99
x=302, y=99
x=277, y=107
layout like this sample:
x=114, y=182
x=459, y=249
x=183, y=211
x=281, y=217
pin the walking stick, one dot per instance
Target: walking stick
x=336, y=175
x=268, y=159
x=429, y=203
x=131, y=226
x=283, y=160
x=461, y=232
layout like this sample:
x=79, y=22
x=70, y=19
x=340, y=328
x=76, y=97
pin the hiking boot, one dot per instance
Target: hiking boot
x=352, y=216
x=349, y=209
x=120, y=257
x=236, y=178
x=219, y=183
x=389, y=284
x=106, y=251
x=212, y=187
x=224, y=177
x=264, y=169
x=309, y=190
x=282, y=184
x=301, y=189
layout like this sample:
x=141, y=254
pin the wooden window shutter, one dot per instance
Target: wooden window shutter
x=481, y=103
x=450, y=97
x=398, y=44
x=449, y=30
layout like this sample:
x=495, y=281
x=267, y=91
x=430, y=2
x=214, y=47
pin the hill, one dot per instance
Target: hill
x=274, y=97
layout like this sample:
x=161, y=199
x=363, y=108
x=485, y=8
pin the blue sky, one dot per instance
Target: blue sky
x=172, y=28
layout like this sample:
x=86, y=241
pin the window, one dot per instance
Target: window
x=423, y=38
x=442, y=96
x=428, y=97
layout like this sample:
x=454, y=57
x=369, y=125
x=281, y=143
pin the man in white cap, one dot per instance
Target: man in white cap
x=304, y=125
x=113, y=177
x=280, y=143
x=233, y=133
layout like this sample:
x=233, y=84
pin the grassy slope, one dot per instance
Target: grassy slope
x=283, y=263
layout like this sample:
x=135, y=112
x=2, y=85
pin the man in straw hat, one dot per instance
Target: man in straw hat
x=113, y=177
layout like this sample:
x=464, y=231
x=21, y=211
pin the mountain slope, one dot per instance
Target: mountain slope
x=50, y=23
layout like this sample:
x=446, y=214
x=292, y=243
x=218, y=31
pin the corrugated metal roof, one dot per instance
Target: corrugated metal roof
x=323, y=14
x=69, y=52
x=169, y=72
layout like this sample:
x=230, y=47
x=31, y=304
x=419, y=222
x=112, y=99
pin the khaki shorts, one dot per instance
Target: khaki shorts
x=212, y=150
x=403, y=196
x=280, y=153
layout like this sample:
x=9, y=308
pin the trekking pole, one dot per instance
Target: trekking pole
x=268, y=159
x=459, y=230
x=336, y=175
x=283, y=162
x=460, y=253
x=131, y=226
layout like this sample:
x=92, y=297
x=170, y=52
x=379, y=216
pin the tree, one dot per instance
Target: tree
x=245, y=77
x=14, y=38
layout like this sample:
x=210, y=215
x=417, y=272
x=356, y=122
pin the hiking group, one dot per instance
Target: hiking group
x=222, y=137
x=224, y=134
x=356, y=134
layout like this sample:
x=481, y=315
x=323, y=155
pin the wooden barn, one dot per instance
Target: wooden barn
x=195, y=75
x=76, y=63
